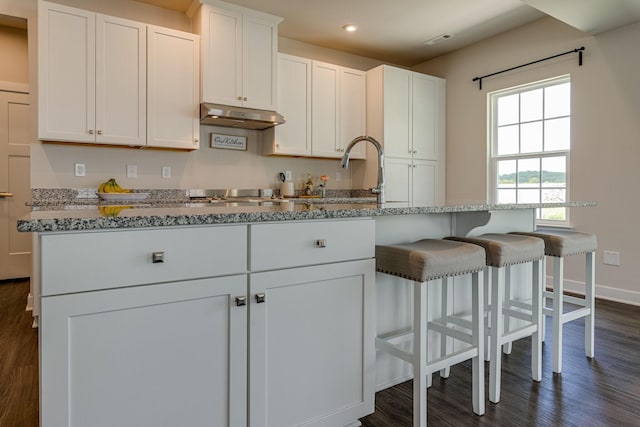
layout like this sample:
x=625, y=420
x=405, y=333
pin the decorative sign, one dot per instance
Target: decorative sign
x=230, y=142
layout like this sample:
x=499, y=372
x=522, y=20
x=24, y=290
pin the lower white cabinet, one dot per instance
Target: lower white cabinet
x=311, y=348
x=157, y=355
x=412, y=181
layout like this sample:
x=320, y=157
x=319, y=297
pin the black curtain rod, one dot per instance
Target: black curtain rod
x=578, y=51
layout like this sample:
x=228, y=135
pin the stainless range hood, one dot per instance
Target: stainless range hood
x=238, y=117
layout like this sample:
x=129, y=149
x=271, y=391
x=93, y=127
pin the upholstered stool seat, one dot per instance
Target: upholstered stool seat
x=560, y=244
x=423, y=262
x=502, y=252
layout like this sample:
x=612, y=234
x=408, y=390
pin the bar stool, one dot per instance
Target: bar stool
x=503, y=251
x=423, y=262
x=560, y=244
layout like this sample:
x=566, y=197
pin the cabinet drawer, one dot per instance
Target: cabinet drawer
x=77, y=262
x=296, y=244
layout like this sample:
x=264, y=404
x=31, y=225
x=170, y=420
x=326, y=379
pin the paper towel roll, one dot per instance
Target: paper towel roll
x=286, y=189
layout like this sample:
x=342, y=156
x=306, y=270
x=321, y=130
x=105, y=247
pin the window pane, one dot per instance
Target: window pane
x=554, y=214
x=528, y=173
x=508, y=110
x=529, y=196
x=506, y=196
x=508, y=140
x=507, y=174
x=557, y=100
x=552, y=195
x=554, y=171
x=531, y=105
x=557, y=134
x=531, y=137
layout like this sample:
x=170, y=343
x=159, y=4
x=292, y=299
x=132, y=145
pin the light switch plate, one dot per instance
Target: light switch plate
x=132, y=171
x=79, y=169
x=166, y=172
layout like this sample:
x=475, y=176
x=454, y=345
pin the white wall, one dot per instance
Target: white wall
x=605, y=131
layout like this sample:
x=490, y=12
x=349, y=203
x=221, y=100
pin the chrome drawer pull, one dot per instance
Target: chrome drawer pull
x=260, y=298
x=157, y=257
x=321, y=243
x=240, y=301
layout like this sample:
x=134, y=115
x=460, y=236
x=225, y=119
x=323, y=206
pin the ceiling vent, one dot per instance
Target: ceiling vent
x=439, y=39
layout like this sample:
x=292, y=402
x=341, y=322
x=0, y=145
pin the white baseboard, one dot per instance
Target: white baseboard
x=602, y=292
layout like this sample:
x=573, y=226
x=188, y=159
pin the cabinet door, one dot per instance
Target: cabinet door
x=222, y=56
x=325, y=110
x=423, y=185
x=159, y=355
x=259, y=44
x=425, y=116
x=173, y=67
x=121, y=81
x=397, y=179
x=294, y=103
x=353, y=89
x=312, y=345
x=66, y=73
x=397, y=112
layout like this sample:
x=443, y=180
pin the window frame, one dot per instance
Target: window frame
x=492, y=159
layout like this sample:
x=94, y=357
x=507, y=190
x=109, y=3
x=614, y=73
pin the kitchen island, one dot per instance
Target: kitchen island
x=229, y=316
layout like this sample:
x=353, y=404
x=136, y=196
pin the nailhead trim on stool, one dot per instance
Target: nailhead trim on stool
x=560, y=244
x=422, y=262
x=503, y=251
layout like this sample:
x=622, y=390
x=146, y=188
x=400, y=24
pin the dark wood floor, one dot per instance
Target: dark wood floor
x=600, y=392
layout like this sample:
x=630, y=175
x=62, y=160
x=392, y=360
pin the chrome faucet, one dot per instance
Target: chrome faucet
x=379, y=190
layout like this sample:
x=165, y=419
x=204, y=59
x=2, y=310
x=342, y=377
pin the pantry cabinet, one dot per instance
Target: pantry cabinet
x=92, y=77
x=406, y=114
x=97, y=74
x=239, y=48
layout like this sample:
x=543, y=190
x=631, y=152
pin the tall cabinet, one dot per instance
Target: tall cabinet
x=406, y=113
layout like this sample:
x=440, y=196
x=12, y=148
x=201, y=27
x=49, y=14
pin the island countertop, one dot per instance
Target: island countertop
x=77, y=218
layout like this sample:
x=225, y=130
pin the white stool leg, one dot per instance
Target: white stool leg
x=558, y=300
x=536, y=313
x=419, y=354
x=477, y=363
x=543, y=321
x=487, y=315
x=495, y=362
x=445, y=340
x=589, y=321
x=506, y=348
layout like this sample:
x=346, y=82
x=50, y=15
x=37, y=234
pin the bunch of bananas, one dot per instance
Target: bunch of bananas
x=112, y=186
x=112, y=210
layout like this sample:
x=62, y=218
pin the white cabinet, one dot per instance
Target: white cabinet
x=294, y=103
x=239, y=48
x=338, y=110
x=406, y=113
x=91, y=77
x=96, y=78
x=135, y=331
x=173, y=98
x=311, y=329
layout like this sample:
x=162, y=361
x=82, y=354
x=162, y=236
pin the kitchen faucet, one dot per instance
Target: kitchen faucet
x=379, y=190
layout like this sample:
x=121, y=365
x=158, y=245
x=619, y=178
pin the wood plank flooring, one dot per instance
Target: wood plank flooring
x=604, y=391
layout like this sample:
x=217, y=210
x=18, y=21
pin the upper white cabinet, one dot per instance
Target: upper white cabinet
x=93, y=80
x=92, y=77
x=406, y=113
x=173, y=98
x=324, y=105
x=239, y=48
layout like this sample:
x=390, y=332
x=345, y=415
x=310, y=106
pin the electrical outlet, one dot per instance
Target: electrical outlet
x=287, y=175
x=166, y=172
x=611, y=258
x=338, y=176
x=79, y=169
x=132, y=171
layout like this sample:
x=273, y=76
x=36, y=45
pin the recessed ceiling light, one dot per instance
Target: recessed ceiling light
x=349, y=28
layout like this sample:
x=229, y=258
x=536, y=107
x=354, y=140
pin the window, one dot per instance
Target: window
x=529, y=146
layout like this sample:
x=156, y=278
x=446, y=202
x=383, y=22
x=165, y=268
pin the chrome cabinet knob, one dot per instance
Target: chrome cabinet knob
x=240, y=301
x=90, y=131
x=99, y=132
x=321, y=243
x=157, y=257
x=260, y=298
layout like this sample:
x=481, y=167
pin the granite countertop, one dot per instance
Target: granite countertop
x=92, y=217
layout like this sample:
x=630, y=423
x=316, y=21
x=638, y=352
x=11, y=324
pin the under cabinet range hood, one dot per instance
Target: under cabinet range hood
x=238, y=117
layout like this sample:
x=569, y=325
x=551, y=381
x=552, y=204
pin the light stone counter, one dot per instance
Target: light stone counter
x=91, y=217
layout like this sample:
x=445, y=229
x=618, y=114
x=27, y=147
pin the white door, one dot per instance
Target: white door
x=423, y=183
x=15, y=247
x=260, y=44
x=397, y=112
x=397, y=179
x=353, y=94
x=425, y=116
x=294, y=102
x=171, y=354
x=325, y=113
x=311, y=345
